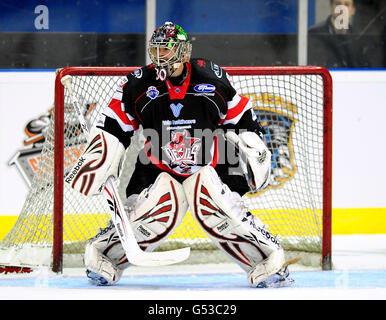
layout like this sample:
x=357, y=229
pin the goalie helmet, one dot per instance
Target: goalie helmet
x=173, y=38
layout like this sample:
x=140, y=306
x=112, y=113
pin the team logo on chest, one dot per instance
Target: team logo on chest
x=152, y=92
x=176, y=109
x=182, y=150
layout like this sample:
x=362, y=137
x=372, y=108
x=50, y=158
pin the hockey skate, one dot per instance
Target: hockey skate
x=96, y=279
x=104, y=257
x=277, y=280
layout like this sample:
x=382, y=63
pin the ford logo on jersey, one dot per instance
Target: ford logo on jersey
x=204, y=87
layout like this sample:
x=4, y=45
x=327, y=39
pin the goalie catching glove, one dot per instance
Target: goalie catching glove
x=100, y=160
x=255, y=158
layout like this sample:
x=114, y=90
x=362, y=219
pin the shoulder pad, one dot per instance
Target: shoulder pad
x=209, y=68
x=139, y=78
x=142, y=73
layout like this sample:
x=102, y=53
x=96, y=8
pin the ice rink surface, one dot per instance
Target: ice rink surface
x=359, y=273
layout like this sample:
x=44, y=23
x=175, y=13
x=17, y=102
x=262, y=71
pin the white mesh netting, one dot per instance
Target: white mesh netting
x=290, y=108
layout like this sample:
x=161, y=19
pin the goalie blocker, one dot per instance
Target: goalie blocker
x=101, y=159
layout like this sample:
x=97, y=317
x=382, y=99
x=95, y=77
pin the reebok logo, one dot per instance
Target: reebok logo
x=223, y=226
x=268, y=236
x=144, y=231
x=75, y=170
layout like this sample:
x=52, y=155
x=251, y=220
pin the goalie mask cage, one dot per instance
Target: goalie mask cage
x=294, y=105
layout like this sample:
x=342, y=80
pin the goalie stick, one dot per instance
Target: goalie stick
x=134, y=254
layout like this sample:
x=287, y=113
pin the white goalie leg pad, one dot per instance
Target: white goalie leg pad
x=255, y=158
x=154, y=215
x=104, y=257
x=158, y=211
x=238, y=233
x=100, y=159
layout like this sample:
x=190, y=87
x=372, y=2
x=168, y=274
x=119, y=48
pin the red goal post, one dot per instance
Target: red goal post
x=281, y=71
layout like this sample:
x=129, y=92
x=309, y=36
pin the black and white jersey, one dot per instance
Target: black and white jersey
x=181, y=116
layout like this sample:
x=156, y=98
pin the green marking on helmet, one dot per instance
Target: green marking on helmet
x=170, y=43
x=181, y=31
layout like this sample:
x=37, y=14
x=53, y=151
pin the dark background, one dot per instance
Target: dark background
x=112, y=33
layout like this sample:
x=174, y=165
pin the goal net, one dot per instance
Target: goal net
x=293, y=104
